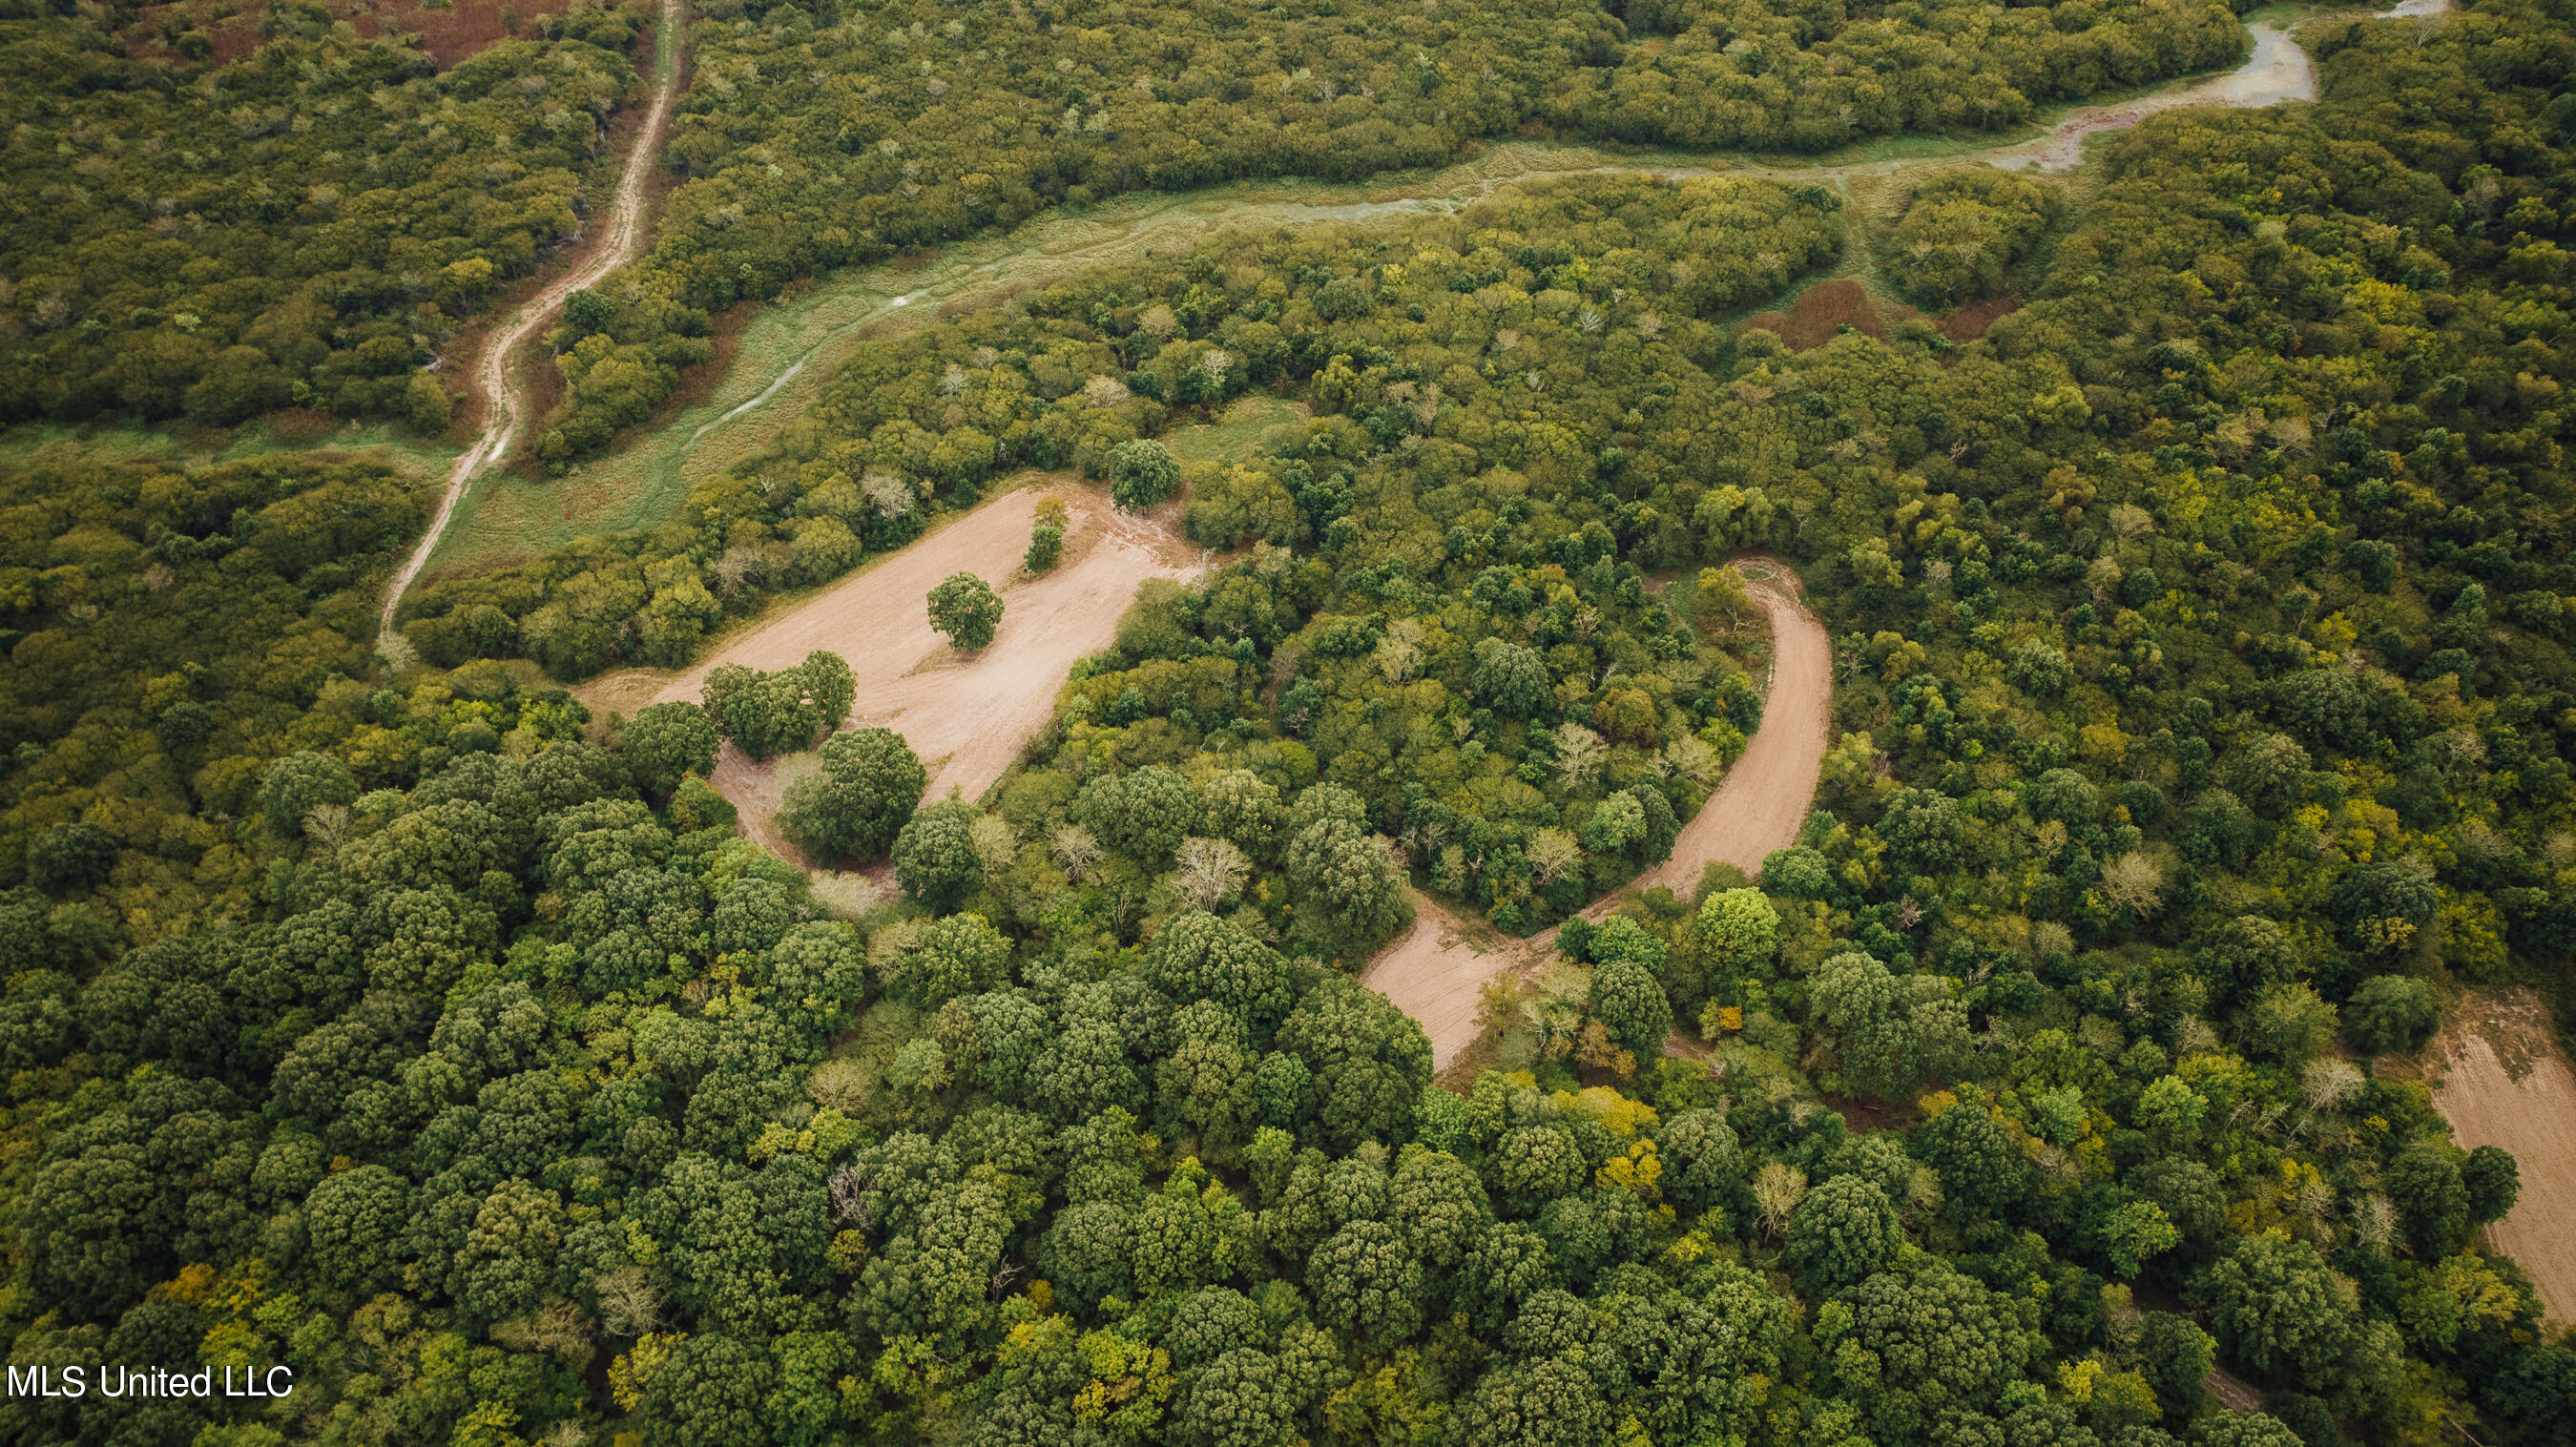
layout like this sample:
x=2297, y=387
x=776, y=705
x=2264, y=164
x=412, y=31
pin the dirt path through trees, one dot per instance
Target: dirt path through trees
x=2502, y=1082
x=792, y=348
x=1438, y=971
x=966, y=715
x=505, y=406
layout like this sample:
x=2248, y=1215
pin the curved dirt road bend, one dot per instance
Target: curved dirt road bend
x=966, y=715
x=505, y=406
x=1437, y=972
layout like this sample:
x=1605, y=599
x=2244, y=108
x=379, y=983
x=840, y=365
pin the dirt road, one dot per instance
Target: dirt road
x=966, y=715
x=1437, y=972
x=2503, y=1083
x=505, y=406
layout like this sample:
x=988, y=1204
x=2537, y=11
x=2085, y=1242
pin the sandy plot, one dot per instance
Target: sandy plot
x=2503, y=1083
x=1437, y=972
x=966, y=715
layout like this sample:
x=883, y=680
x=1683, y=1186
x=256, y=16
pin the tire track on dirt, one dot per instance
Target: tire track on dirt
x=506, y=406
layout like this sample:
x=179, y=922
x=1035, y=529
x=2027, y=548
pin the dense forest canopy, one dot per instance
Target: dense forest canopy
x=2203, y=712
x=303, y=227
x=822, y=136
x=307, y=225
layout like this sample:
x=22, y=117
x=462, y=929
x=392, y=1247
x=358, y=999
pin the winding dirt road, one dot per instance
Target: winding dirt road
x=1437, y=972
x=505, y=407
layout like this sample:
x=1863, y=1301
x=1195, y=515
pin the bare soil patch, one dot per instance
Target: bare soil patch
x=966, y=715
x=1763, y=801
x=1437, y=972
x=2500, y=1081
x=1969, y=322
x=1823, y=310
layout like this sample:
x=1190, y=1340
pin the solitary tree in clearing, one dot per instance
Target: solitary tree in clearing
x=964, y=607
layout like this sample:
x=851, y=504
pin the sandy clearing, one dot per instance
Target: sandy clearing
x=2492, y=1038
x=506, y=406
x=967, y=716
x=1437, y=972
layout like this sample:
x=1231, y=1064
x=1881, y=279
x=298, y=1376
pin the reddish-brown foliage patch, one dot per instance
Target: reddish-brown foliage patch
x=1969, y=322
x=1823, y=310
x=449, y=34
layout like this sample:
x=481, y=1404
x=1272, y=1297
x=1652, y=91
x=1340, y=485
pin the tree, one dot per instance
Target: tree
x=2493, y=1182
x=1943, y=1342
x=1046, y=537
x=2175, y=1357
x=1197, y=956
x=1740, y=931
x=1799, y=872
x=1367, y=1280
x=1701, y=1157
x=934, y=854
x=1209, y=873
x=2243, y=1429
x=2275, y=1308
x=2390, y=1013
x=959, y=955
x=2135, y=1231
x=2431, y=1197
x=300, y=783
x=1141, y=474
x=353, y=1220
x=1510, y=679
x=2290, y=1023
x=1369, y=1062
x=965, y=608
x=1143, y=814
x=70, y=856
x=1626, y=999
x=1347, y=887
x=861, y=799
x=770, y=713
x=830, y=684
x=666, y=742
x=1979, y=1168
x=2380, y=907
x=1924, y=830
x=1844, y=1231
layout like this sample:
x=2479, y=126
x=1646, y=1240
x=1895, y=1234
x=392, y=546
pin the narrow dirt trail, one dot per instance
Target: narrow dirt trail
x=966, y=715
x=802, y=344
x=1437, y=972
x=505, y=406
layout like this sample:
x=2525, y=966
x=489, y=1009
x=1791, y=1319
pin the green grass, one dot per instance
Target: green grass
x=41, y=442
x=1233, y=436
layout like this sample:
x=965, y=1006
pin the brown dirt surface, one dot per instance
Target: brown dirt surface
x=1969, y=322
x=2500, y=1081
x=1437, y=972
x=1821, y=311
x=503, y=407
x=966, y=715
x=1763, y=801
